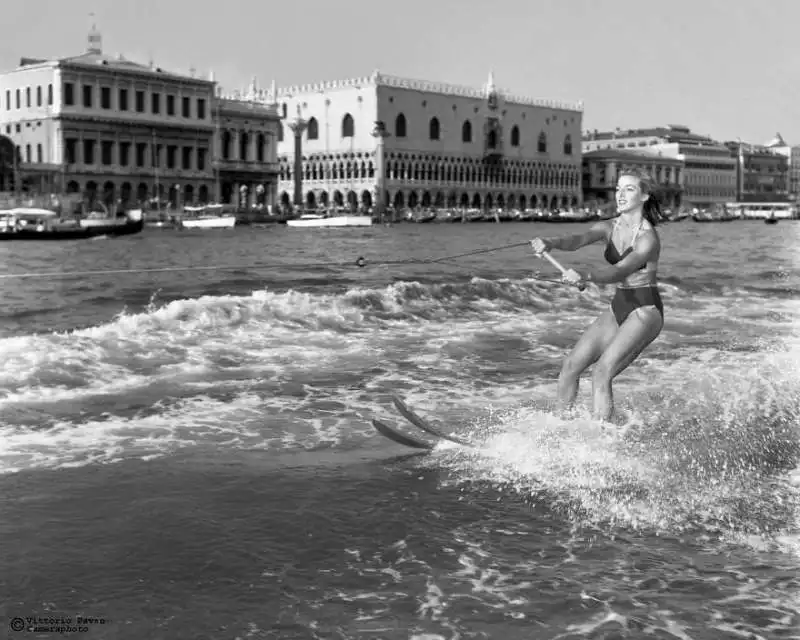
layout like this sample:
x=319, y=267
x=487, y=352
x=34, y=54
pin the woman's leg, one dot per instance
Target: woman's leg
x=640, y=328
x=589, y=348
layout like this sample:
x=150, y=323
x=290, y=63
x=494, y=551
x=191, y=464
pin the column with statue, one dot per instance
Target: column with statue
x=298, y=125
x=380, y=134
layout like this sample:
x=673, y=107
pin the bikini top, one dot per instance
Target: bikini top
x=612, y=254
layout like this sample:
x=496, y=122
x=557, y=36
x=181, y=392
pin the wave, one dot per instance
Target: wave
x=405, y=300
x=212, y=330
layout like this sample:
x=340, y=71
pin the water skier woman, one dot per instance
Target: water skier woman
x=636, y=316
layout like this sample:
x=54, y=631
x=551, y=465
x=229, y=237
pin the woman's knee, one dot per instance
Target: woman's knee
x=603, y=372
x=573, y=366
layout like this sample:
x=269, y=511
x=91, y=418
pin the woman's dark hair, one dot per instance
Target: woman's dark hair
x=651, y=210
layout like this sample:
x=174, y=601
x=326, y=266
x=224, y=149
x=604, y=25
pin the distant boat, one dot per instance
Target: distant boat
x=708, y=218
x=677, y=217
x=29, y=223
x=209, y=216
x=568, y=217
x=319, y=220
x=421, y=217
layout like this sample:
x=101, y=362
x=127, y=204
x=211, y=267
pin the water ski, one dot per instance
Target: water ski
x=423, y=424
x=419, y=422
x=401, y=438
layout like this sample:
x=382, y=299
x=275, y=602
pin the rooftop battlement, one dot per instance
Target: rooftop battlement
x=381, y=79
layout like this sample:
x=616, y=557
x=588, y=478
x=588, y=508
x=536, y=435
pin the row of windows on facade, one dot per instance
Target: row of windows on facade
x=88, y=95
x=712, y=178
x=710, y=166
x=244, y=146
x=143, y=191
x=435, y=173
x=244, y=143
x=701, y=151
x=434, y=132
x=768, y=168
x=28, y=97
x=622, y=145
x=142, y=150
x=778, y=185
x=689, y=151
x=689, y=190
x=603, y=173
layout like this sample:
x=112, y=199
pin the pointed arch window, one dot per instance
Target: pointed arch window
x=541, y=146
x=515, y=136
x=348, y=126
x=312, y=132
x=568, y=145
x=433, y=129
x=466, y=131
x=400, y=126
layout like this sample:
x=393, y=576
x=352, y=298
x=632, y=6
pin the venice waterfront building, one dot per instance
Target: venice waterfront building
x=762, y=171
x=709, y=173
x=602, y=167
x=118, y=131
x=428, y=144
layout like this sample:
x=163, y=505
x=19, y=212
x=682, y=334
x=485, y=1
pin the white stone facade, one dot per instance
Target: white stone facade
x=115, y=130
x=447, y=145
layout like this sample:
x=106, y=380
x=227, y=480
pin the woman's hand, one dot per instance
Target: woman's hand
x=541, y=245
x=572, y=277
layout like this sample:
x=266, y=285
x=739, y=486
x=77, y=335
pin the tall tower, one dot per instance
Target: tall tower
x=492, y=127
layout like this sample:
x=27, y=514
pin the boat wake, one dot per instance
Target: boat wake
x=692, y=456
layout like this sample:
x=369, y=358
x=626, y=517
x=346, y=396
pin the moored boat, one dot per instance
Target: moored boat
x=708, y=218
x=319, y=220
x=29, y=223
x=566, y=216
x=209, y=216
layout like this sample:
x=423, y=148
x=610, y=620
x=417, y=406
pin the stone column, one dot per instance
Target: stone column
x=233, y=151
x=252, y=152
x=380, y=134
x=298, y=125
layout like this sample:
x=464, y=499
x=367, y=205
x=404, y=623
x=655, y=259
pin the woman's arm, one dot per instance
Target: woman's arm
x=598, y=231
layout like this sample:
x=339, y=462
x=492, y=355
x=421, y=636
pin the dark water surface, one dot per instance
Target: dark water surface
x=187, y=453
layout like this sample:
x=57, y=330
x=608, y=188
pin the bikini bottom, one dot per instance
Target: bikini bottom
x=628, y=299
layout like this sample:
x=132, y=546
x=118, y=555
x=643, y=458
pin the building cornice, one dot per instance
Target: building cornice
x=204, y=127
x=112, y=69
